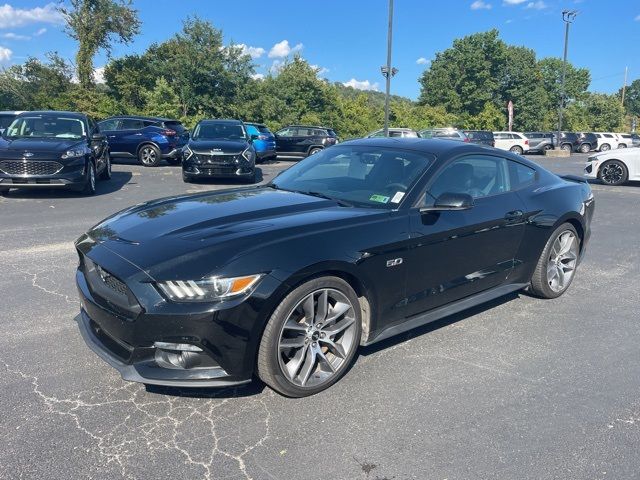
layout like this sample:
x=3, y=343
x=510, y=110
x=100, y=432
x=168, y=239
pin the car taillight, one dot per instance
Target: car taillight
x=526, y=142
x=168, y=132
x=466, y=140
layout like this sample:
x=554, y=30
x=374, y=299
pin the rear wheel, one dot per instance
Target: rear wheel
x=314, y=150
x=517, y=149
x=566, y=147
x=604, y=147
x=557, y=265
x=548, y=147
x=585, y=148
x=622, y=145
x=311, y=338
x=149, y=155
x=613, y=172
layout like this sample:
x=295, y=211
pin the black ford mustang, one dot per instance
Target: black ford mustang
x=355, y=244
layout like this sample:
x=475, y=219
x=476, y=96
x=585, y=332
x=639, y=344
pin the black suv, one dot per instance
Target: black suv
x=219, y=148
x=587, y=142
x=53, y=150
x=481, y=137
x=540, y=141
x=303, y=140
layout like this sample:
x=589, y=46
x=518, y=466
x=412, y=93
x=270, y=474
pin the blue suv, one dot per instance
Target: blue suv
x=149, y=139
x=264, y=141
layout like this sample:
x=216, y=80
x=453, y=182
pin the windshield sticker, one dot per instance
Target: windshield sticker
x=397, y=197
x=379, y=198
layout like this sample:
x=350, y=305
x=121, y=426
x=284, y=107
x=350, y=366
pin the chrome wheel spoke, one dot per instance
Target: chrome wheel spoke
x=309, y=365
x=293, y=325
x=338, y=310
x=562, y=261
x=334, y=348
x=309, y=309
x=323, y=306
x=339, y=326
x=293, y=367
x=325, y=360
x=297, y=342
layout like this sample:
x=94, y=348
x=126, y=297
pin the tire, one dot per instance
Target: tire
x=605, y=147
x=548, y=147
x=585, y=148
x=174, y=161
x=309, y=365
x=4, y=192
x=106, y=173
x=622, y=145
x=613, y=172
x=314, y=150
x=252, y=179
x=90, y=184
x=566, y=147
x=187, y=178
x=149, y=155
x=556, y=268
x=517, y=149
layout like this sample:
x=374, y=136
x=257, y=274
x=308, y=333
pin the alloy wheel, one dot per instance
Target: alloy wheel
x=562, y=261
x=148, y=156
x=612, y=173
x=317, y=337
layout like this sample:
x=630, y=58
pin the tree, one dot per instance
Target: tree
x=632, y=98
x=577, y=80
x=128, y=78
x=605, y=112
x=96, y=25
x=162, y=101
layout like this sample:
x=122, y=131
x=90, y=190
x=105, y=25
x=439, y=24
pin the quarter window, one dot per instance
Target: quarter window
x=521, y=175
x=476, y=175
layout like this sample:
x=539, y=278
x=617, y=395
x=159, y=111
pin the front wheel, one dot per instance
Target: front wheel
x=605, y=147
x=613, y=172
x=311, y=338
x=314, y=150
x=622, y=145
x=90, y=185
x=106, y=173
x=566, y=147
x=517, y=149
x=557, y=265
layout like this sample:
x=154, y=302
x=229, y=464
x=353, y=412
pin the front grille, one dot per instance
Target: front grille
x=216, y=158
x=218, y=170
x=29, y=167
x=112, y=282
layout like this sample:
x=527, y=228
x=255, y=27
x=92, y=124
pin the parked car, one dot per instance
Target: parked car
x=481, y=137
x=219, y=149
x=149, y=139
x=539, y=142
x=264, y=141
x=568, y=141
x=53, y=150
x=303, y=140
x=635, y=138
x=625, y=140
x=606, y=141
x=6, y=118
x=614, y=167
x=285, y=281
x=587, y=141
x=515, y=142
x=395, y=132
x=444, y=134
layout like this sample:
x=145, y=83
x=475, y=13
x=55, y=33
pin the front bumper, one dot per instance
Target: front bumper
x=591, y=169
x=175, y=153
x=69, y=177
x=218, y=171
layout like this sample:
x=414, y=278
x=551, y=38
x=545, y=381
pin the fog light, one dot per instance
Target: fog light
x=180, y=347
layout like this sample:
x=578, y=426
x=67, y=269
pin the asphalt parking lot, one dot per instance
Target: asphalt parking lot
x=521, y=388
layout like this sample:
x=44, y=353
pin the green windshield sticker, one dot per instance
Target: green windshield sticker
x=379, y=198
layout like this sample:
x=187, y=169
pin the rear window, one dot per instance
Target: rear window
x=332, y=133
x=175, y=125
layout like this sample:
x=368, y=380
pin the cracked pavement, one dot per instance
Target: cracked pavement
x=519, y=388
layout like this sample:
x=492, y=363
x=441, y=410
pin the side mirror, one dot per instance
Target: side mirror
x=254, y=137
x=450, y=201
x=98, y=137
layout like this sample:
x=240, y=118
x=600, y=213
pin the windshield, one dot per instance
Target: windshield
x=5, y=121
x=360, y=175
x=46, y=127
x=219, y=131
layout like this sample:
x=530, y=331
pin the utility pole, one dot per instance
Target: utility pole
x=624, y=85
x=388, y=71
x=568, y=16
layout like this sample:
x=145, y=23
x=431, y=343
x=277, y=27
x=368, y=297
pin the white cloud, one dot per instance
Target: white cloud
x=276, y=66
x=539, y=5
x=320, y=70
x=637, y=18
x=508, y=21
x=11, y=17
x=513, y=2
x=423, y=61
x=98, y=75
x=480, y=5
x=361, y=84
x=15, y=36
x=253, y=52
x=258, y=76
x=283, y=49
x=5, y=54
x=41, y=31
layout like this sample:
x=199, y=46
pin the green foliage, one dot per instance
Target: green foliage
x=605, y=112
x=162, y=100
x=96, y=25
x=632, y=98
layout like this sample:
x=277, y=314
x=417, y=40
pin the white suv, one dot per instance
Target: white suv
x=624, y=140
x=515, y=142
x=606, y=141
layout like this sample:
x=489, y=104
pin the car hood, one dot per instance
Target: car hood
x=224, y=146
x=619, y=153
x=202, y=232
x=37, y=145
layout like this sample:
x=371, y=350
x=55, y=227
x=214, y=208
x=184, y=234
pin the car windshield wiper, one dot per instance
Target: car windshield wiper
x=340, y=202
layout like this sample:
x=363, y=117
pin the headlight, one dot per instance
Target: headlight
x=249, y=154
x=186, y=153
x=76, y=152
x=209, y=289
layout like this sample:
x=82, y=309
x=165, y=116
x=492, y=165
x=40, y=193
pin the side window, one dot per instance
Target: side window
x=251, y=130
x=148, y=123
x=130, y=124
x=608, y=135
x=303, y=132
x=476, y=175
x=521, y=175
x=109, y=124
x=286, y=132
x=499, y=136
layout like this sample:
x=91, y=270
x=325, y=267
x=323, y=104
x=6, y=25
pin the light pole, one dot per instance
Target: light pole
x=568, y=16
x=388, y=71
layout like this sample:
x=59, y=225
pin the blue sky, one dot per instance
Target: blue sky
x=347, y=39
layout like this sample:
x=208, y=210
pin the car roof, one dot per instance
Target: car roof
x=309, y=126
x=12, y=112
x=54, y=112
x=256, y=124
x=222, y=120
x=141, y=117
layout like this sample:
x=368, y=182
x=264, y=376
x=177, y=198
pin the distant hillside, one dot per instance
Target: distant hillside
x=376, y=98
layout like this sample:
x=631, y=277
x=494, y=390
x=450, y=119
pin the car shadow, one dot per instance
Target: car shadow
x=629, y=183
x=103, y=187
x=134, y=162
x=246, y=390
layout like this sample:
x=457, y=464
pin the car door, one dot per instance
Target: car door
x=127, y=137
x=301, y=141
x=98, y=145
x=284, y=140
x=454, y=254
x=534, y=140
x=502, y=140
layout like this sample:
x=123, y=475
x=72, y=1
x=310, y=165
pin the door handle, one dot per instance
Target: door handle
x=514, y=215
